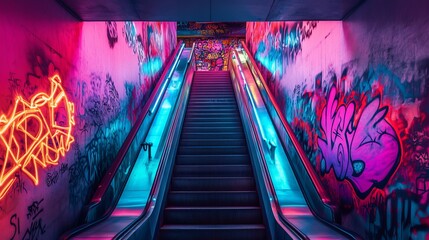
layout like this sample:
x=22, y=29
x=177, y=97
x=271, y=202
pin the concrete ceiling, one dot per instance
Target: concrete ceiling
x=210, y=10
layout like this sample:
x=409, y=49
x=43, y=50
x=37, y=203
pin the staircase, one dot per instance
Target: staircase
x=212, y=191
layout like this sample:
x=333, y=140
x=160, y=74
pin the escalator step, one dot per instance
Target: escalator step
x=211, y=119
x=211, y=114
x=212, y=110
x=212, y=129
x=213, y=171
x=193, y=106
x=213, y=101
x=186, y=135
x=212, y=150
x=218, y=215
x=212, y=192
x=212, y=198
x=213, y=123
x=213, y=232
x=213, y=159
x=212, y=184
x=213, y=142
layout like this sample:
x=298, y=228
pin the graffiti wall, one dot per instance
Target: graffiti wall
x=211, y=29
x=356, y=93
x=213, y=40
x=212, y=54
x=71, y=93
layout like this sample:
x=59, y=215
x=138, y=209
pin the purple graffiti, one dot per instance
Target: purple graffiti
x=365, y=152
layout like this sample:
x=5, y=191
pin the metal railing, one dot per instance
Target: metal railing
x=147, y=223
x=310, y=185
x=104, y=201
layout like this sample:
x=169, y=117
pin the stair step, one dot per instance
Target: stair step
x=224, y=135
x=212, y=90
x=213, y=232
x=212, y=192
x=212, y=123
x=218, y=215
x=213, y=171
x=211, y=110
x=212, y=106
x=211, y=119
x=212, y=99
x=212, y=184
x=211, y=114
x=212, y=150
x=213, y=142
x=212, y=198
x=211, y=86
x=216, y=129
x=213, y=159
x=203, y=94
x=211, y=81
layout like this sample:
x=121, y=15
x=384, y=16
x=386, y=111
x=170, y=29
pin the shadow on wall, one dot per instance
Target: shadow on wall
x=364, y=128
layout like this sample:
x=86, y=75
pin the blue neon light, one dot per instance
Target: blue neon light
x=258, y=121
x=246, y=87
x=164, y=84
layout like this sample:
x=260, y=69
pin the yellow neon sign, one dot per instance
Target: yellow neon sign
x=36, y=134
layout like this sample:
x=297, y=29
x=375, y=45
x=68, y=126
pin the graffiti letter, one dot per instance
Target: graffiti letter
x=366, y=154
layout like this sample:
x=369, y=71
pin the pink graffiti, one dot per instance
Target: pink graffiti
x=365, y=152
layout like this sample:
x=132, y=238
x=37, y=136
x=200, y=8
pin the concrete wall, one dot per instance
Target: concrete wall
x=357, y=94
x=54, y=155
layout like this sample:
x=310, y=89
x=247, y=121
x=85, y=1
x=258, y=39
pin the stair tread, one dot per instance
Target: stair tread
x=209, y=155
x=189, y=208
x=214, y=226
x=212, y=193
x=211, y=165
x=210, y=178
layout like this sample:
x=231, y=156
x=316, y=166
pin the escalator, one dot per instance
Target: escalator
x=124, y=193
x=212, y=193
x=225, y=165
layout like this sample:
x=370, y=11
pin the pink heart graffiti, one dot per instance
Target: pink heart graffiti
x=365, y=152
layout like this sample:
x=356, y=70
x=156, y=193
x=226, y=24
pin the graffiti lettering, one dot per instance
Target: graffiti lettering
x=19, y=185
x=52, y=178
x=365, y=151
x=34, y=209
x=14, y=222
x=36, y=229
x=112, y=33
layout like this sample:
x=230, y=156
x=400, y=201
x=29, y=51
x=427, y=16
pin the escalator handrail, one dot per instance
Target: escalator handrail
x=262, y=162
x=155, y=188
x=334, y=226
x=108, y=177
x=307, y=164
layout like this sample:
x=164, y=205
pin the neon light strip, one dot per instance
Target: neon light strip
x=33, y=137
x=246, y=87
x=192, y=53
x=258, y=121
x=164, y=84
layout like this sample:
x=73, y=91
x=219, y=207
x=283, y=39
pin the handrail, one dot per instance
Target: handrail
x=261, y=156
x=107, y=179
x=110, y=174
x=349, y=234
x=309, y=168
x=160, y=173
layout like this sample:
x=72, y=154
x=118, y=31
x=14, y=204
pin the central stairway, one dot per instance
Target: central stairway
x=212, y=192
